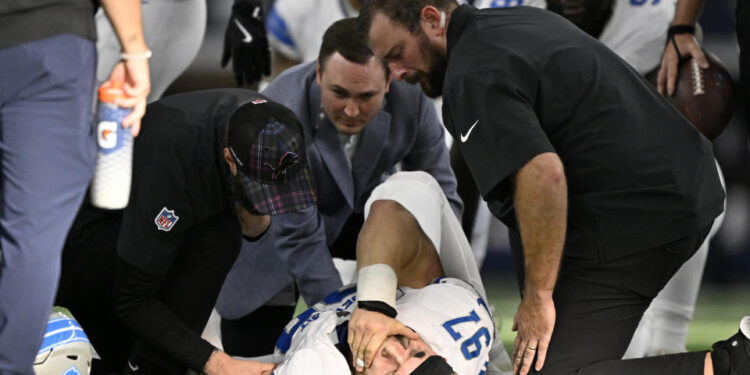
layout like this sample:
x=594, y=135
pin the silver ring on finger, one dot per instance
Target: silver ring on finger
x=360, y=362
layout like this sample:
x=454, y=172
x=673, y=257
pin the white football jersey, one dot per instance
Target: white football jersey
x=295, y=27
x=308, y=345
x=453, y=320
x=637, y=31
x=448, y=314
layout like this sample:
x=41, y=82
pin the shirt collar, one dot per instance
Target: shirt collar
x=458, y=21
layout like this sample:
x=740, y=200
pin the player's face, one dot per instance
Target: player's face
x=399, y=356
x=351, y=93
x=411, y=57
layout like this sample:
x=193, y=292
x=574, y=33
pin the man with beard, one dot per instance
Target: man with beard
x=638, y=32
x=209, y=167
x=574, y=151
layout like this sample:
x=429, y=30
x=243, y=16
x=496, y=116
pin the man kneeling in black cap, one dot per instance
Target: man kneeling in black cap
x=209, y=168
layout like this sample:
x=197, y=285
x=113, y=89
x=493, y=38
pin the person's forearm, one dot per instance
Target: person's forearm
x=125, y=16
x=687, y=12
x=300, y=243
x=374, y=246
x=541, y=204
x=391, y=236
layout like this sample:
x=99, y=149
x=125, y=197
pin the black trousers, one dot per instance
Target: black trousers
x=189, y=290
x=86, y=285
x=599, y=305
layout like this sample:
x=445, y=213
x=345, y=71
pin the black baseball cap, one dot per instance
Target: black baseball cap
x=267, y=144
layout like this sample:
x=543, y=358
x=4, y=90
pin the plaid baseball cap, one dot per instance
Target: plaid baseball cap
x=267, y=144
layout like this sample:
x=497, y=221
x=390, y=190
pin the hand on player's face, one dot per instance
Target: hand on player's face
x=367, y=332
x=399, y=355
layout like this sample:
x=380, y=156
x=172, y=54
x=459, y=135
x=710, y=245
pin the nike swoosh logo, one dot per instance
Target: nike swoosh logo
x=248, y=38
x=465, y=137
x=133, y=368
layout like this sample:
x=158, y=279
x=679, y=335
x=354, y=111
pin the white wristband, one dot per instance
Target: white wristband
x=130, y=56
x=377, y=282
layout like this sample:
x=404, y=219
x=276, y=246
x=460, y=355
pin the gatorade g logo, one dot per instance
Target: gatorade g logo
x=107, y=135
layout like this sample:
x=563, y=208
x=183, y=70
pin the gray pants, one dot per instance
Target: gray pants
x=174, y=31
x=47, y=159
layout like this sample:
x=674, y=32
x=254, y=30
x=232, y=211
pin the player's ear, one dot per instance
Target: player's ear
x=230, y=161
x=432, y=20
x=318, y=72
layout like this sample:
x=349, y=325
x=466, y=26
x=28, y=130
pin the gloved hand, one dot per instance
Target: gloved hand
x=245, y=42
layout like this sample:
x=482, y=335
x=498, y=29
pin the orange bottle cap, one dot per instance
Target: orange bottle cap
x=110, y=91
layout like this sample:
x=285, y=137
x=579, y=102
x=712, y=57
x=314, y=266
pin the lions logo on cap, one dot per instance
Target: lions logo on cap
x=166, y=219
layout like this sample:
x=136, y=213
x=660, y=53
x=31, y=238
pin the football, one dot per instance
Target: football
x=704, y=96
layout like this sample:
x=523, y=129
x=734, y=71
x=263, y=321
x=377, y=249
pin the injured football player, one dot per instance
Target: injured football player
x=419, y=306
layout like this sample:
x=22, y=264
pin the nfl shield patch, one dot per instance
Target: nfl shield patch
x=166, y=219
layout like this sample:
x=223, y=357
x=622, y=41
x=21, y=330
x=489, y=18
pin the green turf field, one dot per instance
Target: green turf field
x=717, y=313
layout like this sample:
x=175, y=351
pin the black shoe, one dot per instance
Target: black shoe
x=732, y=356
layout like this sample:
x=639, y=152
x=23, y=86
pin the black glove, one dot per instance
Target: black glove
x=245, y=42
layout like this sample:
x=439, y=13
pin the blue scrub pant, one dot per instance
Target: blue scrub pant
x=47, y=155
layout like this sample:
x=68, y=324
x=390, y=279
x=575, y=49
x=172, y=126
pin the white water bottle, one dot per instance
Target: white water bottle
x=110, y=188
